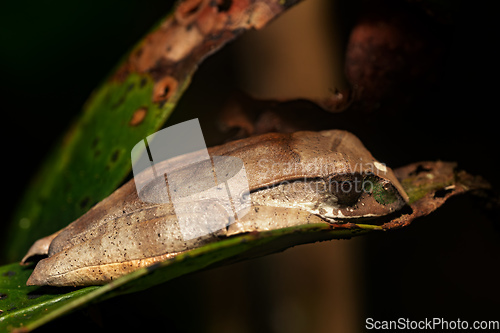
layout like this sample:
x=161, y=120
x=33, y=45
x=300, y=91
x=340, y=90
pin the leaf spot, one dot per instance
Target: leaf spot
x=164, y=89
x=138, y=116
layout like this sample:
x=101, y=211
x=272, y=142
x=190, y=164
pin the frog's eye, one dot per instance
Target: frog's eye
x=383, y=192
x=346, y=188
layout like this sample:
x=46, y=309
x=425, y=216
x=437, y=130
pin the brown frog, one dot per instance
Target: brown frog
x=294, y=178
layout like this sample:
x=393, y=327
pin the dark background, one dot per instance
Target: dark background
x=445, y=265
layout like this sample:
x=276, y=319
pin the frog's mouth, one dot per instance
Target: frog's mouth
x=370, y=219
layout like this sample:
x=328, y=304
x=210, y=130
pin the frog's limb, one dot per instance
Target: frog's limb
x=39, y=248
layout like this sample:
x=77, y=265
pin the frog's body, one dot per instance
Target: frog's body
x=299, y=178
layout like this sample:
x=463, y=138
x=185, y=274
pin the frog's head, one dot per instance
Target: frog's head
x=360, y=195
x=357, y=185
x=352, y=183
x=332, y=175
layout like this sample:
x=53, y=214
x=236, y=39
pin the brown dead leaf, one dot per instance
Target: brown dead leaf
x=197, y=29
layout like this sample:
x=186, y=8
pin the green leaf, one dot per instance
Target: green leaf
x=29, y=307
x=92, y=160
x=21, y=304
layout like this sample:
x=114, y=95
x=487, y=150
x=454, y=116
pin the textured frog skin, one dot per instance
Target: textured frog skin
x=123, y=233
